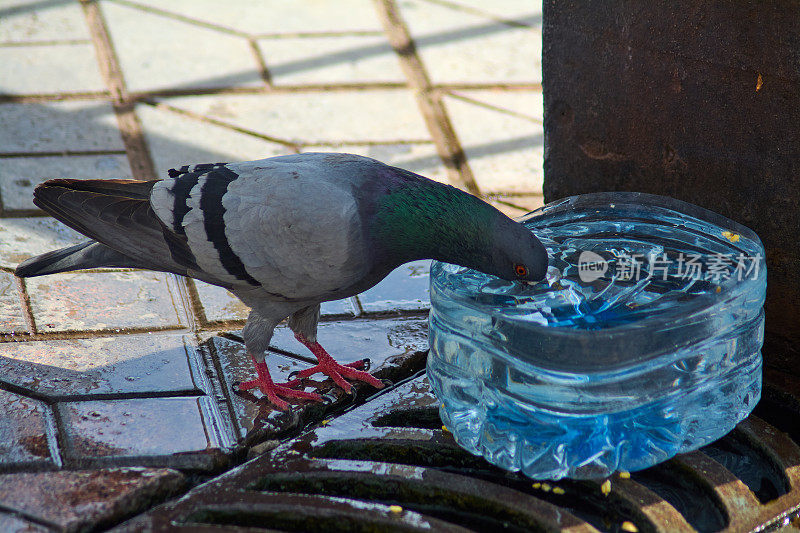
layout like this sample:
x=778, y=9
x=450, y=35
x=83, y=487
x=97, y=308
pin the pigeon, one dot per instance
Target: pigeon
x=284, y=234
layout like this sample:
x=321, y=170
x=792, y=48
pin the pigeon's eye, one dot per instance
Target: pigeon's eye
x=520, y=270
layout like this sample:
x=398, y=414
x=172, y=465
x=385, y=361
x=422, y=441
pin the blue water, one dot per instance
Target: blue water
x=642, y=342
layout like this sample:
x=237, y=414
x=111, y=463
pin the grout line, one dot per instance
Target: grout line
x=54, y=42
x=54, y=97
x=182, y=18
x=60, y=153
x=313, y=34
x=492, y=107
x=222, y=123
x=263, y=70
x=129, y=126
x=480, y=13
x=27, y=310
x=137, y=96
x=430, y=103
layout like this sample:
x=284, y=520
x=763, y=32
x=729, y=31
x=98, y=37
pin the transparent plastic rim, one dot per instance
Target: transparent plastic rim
x=692, y=312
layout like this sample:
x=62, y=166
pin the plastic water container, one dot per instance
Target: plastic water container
x=643, y=342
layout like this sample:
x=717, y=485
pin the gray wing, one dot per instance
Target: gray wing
x=289, y=226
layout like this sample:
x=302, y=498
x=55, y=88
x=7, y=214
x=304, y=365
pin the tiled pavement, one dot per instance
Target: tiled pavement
x=122, y=380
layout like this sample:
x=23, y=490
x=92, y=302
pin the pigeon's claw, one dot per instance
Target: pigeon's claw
x=274, y=391
x=336, y=371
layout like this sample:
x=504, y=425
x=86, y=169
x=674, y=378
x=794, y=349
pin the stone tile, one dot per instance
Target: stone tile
x=405, y=289
x=21, y=238
x=123, y=364
x=327, y=60
x=27, y=436
x=505, y=152
x=104, y=301
x=337, y=117
x=460, y=47
x=176, y=140
x=12, y=319
x=58, y=126
x=157, y=52
x=49, y=69
x=83, y=500
x=516, y=206
x=420, y=158
x=278, y=16
x=19, y=176
x=220, y=305
x=520, y=11
x=177, y=432
x=527, y=104
x=351, y=340
x=10, y=523
x=33, y=20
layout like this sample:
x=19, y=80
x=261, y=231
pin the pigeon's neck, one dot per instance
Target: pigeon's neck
x=422, y=219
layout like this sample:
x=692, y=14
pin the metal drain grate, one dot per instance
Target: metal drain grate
x=388, y=465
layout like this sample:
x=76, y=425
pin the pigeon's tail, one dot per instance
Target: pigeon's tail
x=89, y=254
x=118, y=216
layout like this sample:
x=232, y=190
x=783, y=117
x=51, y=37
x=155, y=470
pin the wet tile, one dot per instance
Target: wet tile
x=58, y=126
x=403, y=406
x=249, y=414
x=49, y=69
x=123, y=364
x=421, y=158
x=458, y=46
x=176, y=140
x=352, y=340
x=21, y=238
x=326, y=60
x=176, y=432
x=504, y=149
x=11, y=318
x=192, y=57
x=82, y=500
x=19, y=176
x=277, y=16
x=104, y=301
x=404, y=289
x=27, y=437
x=33, y=20
x=334, y=117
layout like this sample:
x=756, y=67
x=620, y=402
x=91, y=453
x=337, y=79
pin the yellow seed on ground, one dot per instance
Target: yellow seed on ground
x=326, y=422
x=558, y=490
x=630, y=527
x=545, y=487
x=396, y=509
x=718, y=289
x=625, y=475
x=605, y=488
x=444, y=428
x=537, y=485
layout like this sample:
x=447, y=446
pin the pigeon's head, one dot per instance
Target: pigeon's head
x=514, y=253
x=428, y=220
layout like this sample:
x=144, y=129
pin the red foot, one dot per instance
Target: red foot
x=337, y=372
x=273, y=391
